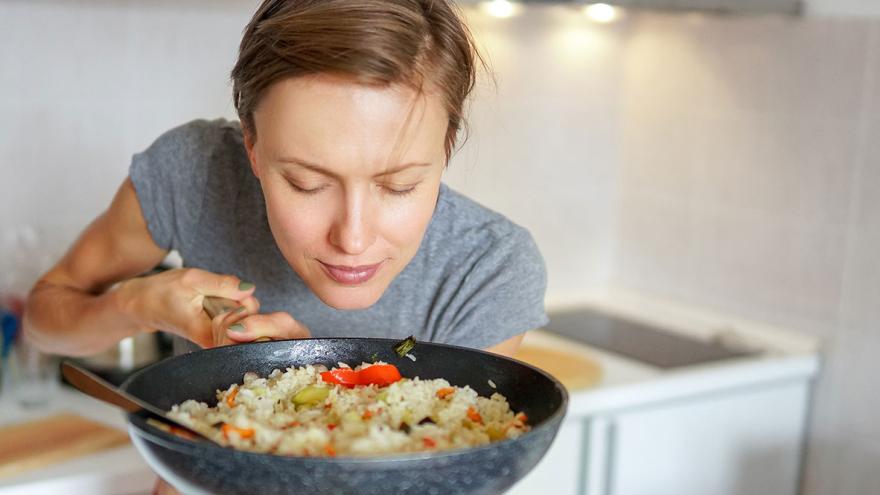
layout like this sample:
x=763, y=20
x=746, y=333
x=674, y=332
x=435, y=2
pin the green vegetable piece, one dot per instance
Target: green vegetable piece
x=404, y=346
x=374, y=357
x=310, y=395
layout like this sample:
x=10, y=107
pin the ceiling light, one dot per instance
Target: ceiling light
x=499, y=8
x=601, y=12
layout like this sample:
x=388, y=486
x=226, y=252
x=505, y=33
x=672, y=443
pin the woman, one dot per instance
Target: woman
x=322, y=213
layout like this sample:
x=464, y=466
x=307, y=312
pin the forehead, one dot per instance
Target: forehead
x=341, y=124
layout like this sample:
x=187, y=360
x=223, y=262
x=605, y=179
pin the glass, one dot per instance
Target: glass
x=33, y=375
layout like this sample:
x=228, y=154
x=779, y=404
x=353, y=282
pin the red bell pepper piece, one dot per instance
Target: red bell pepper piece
x=379, y=374
x=343, y=376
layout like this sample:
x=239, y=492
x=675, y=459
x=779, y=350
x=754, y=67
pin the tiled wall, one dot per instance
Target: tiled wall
x=730, y=162
x=95, y=81
x=749, y=181
x=85, y=84
x=543, y=150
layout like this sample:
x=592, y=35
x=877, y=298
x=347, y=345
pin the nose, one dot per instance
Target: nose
x=354, y=231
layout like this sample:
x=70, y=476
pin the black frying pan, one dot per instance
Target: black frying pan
x=202, y=467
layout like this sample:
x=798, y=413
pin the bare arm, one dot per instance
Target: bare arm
x=69, y=310
x=509, y=347
x=93, y=297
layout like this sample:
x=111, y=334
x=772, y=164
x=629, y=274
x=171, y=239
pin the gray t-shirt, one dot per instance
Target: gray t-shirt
x=476, y=280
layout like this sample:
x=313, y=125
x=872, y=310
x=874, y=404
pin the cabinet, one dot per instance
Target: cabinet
x=740, y=441
x=559, y=470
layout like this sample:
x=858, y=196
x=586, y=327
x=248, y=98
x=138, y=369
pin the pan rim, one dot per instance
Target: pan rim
x=173, y=442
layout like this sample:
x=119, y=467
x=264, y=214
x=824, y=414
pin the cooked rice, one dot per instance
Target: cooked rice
x=406, y=416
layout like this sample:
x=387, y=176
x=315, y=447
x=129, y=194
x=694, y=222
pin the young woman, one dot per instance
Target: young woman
x=322, y=213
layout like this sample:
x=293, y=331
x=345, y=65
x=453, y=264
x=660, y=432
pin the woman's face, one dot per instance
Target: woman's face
x=350, y=174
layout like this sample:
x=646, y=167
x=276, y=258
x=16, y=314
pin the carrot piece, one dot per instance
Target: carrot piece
x=330, y=450
x=522, y=417
x=429, y=442
x=244, y=433
x=331, y=426
x=445, y=392
x=473, y=415
x=367, y=414
x=230, y=399
x=182, y=433
x=293, y=424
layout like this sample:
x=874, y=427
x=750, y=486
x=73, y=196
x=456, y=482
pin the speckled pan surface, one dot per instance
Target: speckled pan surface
x=207, y=468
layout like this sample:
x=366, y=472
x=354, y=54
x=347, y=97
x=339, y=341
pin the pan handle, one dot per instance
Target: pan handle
x=218, y=305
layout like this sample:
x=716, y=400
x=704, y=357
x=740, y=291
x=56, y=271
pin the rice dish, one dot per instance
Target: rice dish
x=306, y=412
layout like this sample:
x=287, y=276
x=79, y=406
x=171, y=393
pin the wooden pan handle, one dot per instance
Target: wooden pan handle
x=218, y=305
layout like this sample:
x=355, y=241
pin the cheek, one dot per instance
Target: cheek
x=404, y=224
x=297, y=228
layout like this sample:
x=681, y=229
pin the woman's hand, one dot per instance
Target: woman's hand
x=244, y=324
x=173, y=301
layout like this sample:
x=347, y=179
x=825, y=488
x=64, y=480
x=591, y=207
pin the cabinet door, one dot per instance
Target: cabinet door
x=736, y=443
x=559, y=470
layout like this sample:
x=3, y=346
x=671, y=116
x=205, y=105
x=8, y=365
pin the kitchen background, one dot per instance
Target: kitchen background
x=726, y=161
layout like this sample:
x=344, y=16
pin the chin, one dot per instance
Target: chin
x=349, y=297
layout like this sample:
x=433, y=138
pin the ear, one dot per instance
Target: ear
x=249, y=141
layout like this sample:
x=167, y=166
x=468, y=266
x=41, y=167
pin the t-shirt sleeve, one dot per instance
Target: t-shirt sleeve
x=501, y=296
x=169, y=178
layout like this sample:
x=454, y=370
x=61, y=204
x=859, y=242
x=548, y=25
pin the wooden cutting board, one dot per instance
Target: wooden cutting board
x=36, y=444
x=575, y=371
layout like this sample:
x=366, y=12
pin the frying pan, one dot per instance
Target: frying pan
x=203, y=467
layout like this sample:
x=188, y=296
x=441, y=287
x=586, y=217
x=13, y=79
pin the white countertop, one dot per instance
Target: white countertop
x=625, y=383
x=783, y=354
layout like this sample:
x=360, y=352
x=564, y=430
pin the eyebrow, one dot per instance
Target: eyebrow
x=321, y=170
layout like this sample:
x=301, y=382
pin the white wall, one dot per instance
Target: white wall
x=85, y=85
x=88, y=83
x=749, y=181
x=843, y=8
x=543, y=148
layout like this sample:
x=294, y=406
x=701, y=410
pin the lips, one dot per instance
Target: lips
x=351, y=275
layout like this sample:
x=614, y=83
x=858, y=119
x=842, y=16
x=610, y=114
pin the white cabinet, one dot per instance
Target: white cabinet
x=739, y=441
x=560, y=470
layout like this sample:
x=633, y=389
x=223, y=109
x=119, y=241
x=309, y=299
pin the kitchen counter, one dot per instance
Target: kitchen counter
x=118, y=471
x=627, y=383
x=625, y=387
x=643, y=428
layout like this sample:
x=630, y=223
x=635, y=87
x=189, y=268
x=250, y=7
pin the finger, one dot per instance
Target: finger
x=212, y=284
x=220, y=323
x=251, y=304
x=199, y=330
x=276, y=326
x=223, y=321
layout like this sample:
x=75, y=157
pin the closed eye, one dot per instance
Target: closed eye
x=306, y=190
x=400, y=190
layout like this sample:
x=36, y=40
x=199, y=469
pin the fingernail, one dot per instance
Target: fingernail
x=238, y=327
x=245, y=286
x=240, y=309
